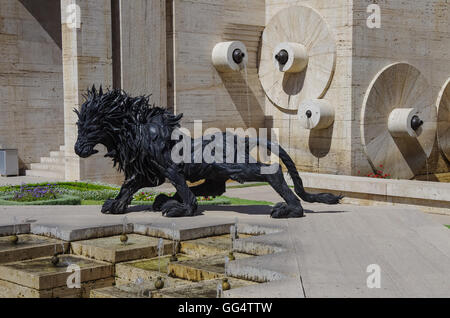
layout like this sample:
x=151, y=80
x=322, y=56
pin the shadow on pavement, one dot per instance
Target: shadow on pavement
x=244, y=209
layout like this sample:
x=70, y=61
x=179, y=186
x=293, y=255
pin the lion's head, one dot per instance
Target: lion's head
x=92, y=118
x=116, y=121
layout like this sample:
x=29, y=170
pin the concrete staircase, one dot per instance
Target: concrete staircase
x=50, y=167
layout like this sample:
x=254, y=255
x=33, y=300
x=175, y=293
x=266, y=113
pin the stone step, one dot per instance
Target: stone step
x=57, y=167
x=203, y=289
x=56, y=154
x=147, y=270
x=204, y=268
x=209, y=245
x=45, y=174
x=130, y=290
x=52, y=160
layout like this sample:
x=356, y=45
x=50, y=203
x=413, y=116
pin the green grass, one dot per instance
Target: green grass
x=448, y=226
x=249, y=185
x=96, y=193
x=223, y=201
x=239, y=201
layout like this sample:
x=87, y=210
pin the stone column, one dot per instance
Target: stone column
x=87, y=60
x=143, y=48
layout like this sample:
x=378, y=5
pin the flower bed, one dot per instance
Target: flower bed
x=75, y=193
x=83, y=190
x=59, y=200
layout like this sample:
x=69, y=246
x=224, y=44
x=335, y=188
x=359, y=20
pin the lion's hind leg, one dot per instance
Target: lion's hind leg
x=292, y=208
x=206, y=189
x=162, y=199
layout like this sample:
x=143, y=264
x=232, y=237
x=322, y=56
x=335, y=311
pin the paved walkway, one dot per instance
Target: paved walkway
x=325, y=254
x=24, y=179
x=266, y=193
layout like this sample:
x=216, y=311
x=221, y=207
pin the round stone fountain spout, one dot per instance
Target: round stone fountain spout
x=315, y=114
x=14, y=239
x=416, y=122
x=229, y=56
x=405, y=122
x=238, y=56
x=290, y=57
x=55, y=260
x=282, y=57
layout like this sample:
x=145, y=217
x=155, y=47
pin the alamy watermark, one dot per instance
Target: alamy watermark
x=374, y=279
x=232, y=147
x=72, y=16
x=74, y=279
x=374, y=19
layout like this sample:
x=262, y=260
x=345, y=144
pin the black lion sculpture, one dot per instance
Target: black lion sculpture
x=138, y=138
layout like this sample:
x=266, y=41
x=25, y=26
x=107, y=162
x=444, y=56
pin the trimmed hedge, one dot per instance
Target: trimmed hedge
x=63, y=200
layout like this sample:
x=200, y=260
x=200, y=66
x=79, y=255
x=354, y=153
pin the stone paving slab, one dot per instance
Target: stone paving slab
x=111, y=249
x=29, y=246
x=188, y=229
x=73, y=232
x=40, y=274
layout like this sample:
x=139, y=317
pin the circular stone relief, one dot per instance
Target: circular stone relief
x=443, y=104
x=304, y=26
x=400, y=151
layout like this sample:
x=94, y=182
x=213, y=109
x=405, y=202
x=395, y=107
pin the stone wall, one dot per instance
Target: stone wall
x=416, y=32
x=199, y=91
x=87, y=60
x=31, y=80
x=143, y=48
x=328, y=150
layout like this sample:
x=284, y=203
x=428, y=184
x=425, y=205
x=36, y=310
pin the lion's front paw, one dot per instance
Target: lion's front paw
x=174, y=209
x=114, y=207
x=160, y=200
x=284, y=211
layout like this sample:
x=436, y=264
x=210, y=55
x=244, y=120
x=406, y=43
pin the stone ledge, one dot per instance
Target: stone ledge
x=189, y=230
x=408, y=192
x=7, y=230
x=72, y=233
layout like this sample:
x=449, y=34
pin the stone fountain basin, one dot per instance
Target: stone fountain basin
x=40, y=278
x=111, y=249
x=29, y=246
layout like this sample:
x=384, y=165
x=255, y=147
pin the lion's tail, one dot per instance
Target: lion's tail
x=326, y=198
